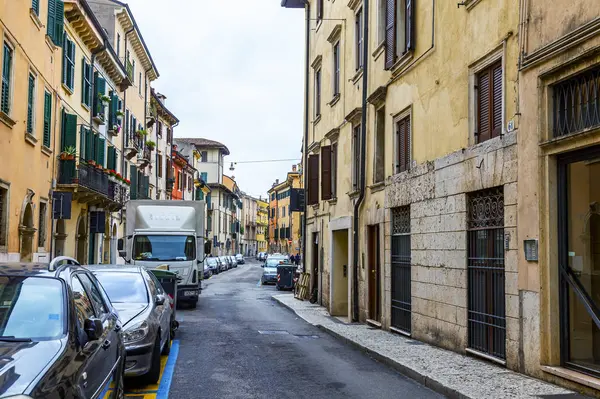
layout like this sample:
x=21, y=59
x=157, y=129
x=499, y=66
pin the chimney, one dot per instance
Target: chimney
x=161, y=98
x=293, y=168
x=276, y=181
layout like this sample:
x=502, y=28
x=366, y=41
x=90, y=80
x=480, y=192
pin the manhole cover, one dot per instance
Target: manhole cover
x=273, y=332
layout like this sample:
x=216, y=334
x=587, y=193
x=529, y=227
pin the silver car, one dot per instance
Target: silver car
x=234, y=262
x=146, y=312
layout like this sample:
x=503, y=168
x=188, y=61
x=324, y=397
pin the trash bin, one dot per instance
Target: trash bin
x=168, y=280
x=285, y=276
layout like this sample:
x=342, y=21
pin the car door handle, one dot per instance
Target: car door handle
x=106, y=344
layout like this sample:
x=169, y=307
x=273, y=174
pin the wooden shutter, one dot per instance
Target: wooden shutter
x=390, y=33
x=84, y=96
x=334, y=156
x=30, y=100
x=58, y=22
x=410, y=23
x=403, y=149
x=47, y=118
x=90, y=145
x=101, y=150
x=6, y=66
x=489, y=103
x=160, y=168
x=71, y=66
x=326, y=172
x=82, y=142
x=70, y=133
x=110, y=160
x=35, y=4
x=496, y=100
x=313, y=179
x=51, y=25
x=133, y=186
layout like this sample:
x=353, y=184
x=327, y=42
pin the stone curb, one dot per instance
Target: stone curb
x=401, y=368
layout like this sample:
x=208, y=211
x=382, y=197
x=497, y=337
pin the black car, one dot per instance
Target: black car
x=60, y=336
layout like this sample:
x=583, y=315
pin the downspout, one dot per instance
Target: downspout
x=124, y=162
x=145, y=118
x=306, y=123
x=363, y=134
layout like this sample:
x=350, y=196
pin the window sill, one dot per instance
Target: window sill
x=7, y=120
x=317, y=119
x=332, y=201
x=46, y=151
x=401, y=62
x=572, y=375
x=335, y=100
x=86, y=107
x=67, y=89
x=36, y=19
x=30, y=139
x=378, y=51
x=469, y=4
x=357, y=76
x=353, y=194
x=375, y=187
x=50, y=43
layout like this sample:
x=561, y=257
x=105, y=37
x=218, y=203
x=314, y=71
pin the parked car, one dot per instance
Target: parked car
x=259, y=255
x=226, y=261
x=270, y=271
x=213, y=264
x=207, y=272
x=240, y=259
x=147, y=316
x=234, y=262
x=57, y=325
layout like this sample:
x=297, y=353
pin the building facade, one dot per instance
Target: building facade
x=285, y=227
x=249, y=228
x=161, y=125
x=184, y=175
x=262, y=225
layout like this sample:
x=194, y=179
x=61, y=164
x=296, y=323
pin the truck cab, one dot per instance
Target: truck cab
x=168, y=234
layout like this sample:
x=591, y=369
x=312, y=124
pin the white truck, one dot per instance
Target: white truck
x=168, y=233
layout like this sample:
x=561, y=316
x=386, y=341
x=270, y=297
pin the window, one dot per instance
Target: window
x=179, y=181
x=317, y=93
x=47, y=118
x=399, y=32
x=30, y=103
x=403, y=144
x=326, y=173
x=204, y=157
x=358, y=35
x=159, y=128
x=204, y=176
x=55, y=26
x=313, y=179
x=381, y=9
x=401, y=268
x=118, y=44
x=94, y=292
x=336, y=69
x=86, y=84
x=3, y=217
x=334, y=170
x=35, y=6
x=7, y=65
x=488, y=92
x=68, y=71
x=283, y=212
x=379, y=169
x=83, y=304
x=140, y=84
x=42, y=225
x=356, y=156
x=160, y=165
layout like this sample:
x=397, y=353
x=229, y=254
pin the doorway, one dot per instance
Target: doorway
x=579, y=259
x=81, y=240
x=60, y=237
x=374, y=277
x=401, y=270
x=27, y=231
x=113, y=245
x=314, y=262
x=339, y=278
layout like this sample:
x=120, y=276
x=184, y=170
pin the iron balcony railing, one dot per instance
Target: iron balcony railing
x=93, y=179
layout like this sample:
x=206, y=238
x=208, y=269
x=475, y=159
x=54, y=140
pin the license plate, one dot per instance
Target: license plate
x=190, y=293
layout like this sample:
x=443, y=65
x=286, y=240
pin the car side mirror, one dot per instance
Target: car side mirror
x=120, y=245
x=122, y=254
x=159, y=300
x=93, y=328
x=207, y=247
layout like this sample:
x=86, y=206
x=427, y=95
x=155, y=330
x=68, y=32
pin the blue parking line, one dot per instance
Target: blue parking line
x=165, y=382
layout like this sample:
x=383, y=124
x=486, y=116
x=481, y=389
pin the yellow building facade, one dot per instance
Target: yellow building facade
x=262, y=225
x=285, y=224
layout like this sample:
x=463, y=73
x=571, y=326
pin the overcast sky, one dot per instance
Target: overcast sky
x=232, y=71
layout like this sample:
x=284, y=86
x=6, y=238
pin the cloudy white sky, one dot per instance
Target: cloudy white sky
x=232, y=71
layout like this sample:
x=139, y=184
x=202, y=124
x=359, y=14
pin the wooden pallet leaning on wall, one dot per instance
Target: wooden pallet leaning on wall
x=301, y=290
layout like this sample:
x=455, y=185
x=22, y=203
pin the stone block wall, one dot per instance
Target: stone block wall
x=437, y=192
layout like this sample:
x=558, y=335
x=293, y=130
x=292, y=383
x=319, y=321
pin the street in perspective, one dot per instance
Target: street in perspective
x=299, y=198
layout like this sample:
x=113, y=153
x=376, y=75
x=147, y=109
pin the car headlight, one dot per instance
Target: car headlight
x=136, y=332
x=18, y=397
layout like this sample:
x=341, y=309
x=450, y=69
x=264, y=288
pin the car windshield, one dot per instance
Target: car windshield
x=123, y=287
x=32, y=308
x=164, y=248
x=211, y=261
x=273, y=262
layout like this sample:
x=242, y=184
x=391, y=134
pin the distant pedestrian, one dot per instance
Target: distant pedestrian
x=297, y=259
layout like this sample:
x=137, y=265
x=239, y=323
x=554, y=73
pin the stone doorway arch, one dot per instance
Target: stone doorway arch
x=59, y=238
x=26, y=228
x=81, y=240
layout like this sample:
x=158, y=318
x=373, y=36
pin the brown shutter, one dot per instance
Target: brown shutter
x=410, y=23
x=407, y=143
x=313, y=179
x=334, y=170
x=483, y=106
x=326, y=172
x=497, y=100
x=403, y=137
x=390, y=33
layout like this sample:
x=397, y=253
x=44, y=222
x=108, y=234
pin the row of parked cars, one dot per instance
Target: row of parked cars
x=219, y=264
x=70, y=331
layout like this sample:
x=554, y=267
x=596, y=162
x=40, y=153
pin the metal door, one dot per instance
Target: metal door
x=401, y=270
x=485, y=269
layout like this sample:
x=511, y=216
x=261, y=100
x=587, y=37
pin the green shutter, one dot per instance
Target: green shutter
x=110, y=158
x=100, y=150
x=89, y=145
x=71, y=65
x=82, y=142
x=6, y=65
x=35, y=5
x=70, y=133
x=51, y=26
x=30, y=103
x=65, y=52
x=100, y=89
x=133, y=187
x=58, y=22
x=83, y=82
x=47, y=118
x=114, y=107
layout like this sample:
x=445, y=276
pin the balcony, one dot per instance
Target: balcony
x=133, y=145
x=91, y=185
x=144, y=158
x=129, y=68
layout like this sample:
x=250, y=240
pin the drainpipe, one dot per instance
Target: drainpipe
x=145, y=117
x=363, y=134
x=124, y=162
x=306, y=123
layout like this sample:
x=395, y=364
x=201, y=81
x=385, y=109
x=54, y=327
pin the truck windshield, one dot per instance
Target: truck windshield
x=164, y=248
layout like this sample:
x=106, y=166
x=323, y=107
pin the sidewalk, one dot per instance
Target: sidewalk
x=447, y=372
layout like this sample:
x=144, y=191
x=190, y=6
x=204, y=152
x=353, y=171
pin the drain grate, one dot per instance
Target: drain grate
x=273, y=332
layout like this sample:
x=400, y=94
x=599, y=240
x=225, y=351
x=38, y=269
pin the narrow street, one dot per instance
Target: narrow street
x=239, y=343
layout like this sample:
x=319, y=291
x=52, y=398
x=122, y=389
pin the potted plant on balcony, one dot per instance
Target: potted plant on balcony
x=127, y=182
x=112, y=175
x=151, y=145
x=91, y=162
x=104, y=99
x=120, y=115
x=68, y=154
x=141, y=133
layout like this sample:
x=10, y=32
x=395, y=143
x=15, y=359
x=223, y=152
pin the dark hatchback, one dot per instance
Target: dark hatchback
x=59, y=334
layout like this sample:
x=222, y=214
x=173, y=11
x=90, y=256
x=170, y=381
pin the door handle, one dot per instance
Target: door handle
x=117, y=328
x=106, y=344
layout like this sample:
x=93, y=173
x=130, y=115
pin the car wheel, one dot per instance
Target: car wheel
x=167, y=348
x=119, y=392
x=152, y=376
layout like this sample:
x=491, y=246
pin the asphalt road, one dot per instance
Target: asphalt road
x=239, y=343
